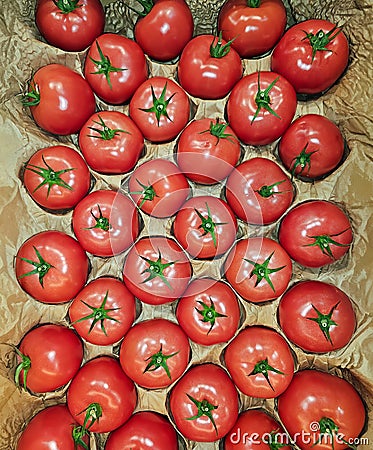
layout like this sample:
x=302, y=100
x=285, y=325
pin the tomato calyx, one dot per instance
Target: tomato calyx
x=148, y=193
x=204, y=408
x=253, y=3
x=101, y=222
x=106, y=133
x=24, y=366
x=263, y=100
x=104, y=66
x=158, y=360
x=78, y=433
x=209, y=313
x=217, y=129
x=160, y=104
x=263, y=271
x=263, y=367
x=323, y=241
x=93, y=412
x=41, y=267
x=325, y=321
x=267, y=191
x=147, y=7
x=303, y=160
x=218, y=50
x=31, y=98
x=320, y=40
x=208, y=225
x=67, y=6
x=327, y=427
x=156, y=269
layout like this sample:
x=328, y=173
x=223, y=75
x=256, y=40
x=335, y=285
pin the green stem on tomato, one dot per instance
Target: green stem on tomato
x=67, y=6
x=42, y=267
x=263, y=100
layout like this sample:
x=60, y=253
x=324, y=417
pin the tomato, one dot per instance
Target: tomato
x=260, y=362
x=312, y=55
x=156, y=270
x=51, y=266
x=158, y=188
x=60, y=100
x=317, y=317
x=258, y=268
x=204, y=403
x=312, y=147
x=154, y=353
x=205, y=227
x=254, y=25
x=209, y=67
x=105, y=223
x=103, y=311
x=115, y=66
x=208, y=311
x=53, y=428
x=111, y=143
x=261, y=107
x=160, y=108
x=48, y=357
x=101, y=397
x=146, y=430
x=315, y=233
x=259, y=191
x=164, y=28
x=71, y=25
x=207, y=151
x=321, y=411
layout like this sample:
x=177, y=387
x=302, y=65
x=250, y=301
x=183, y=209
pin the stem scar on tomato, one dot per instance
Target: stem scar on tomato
x=320, y=40
x=323, y=241
x=263, y=100
x=263, y=367
x=208, y=225
x=325, y=321
x=101, y=221
x=158, y=360
x=106, y=133
x=209, y=313
x=160, y=104
x=156, y=269
x=263, y=271
x=204, y=408
x=104, y=65
x=42, y=267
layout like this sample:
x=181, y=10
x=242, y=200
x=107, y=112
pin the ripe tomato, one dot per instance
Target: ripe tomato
x=115, y=66
x=312, y=147
x=164, y=28
x=110, y=142
x=209, y=67
x=103, y=311
x=317, y=316
x=48, y=358
x=105, y=223
x=207, y=151
x=160, y=108
x=261, y=107
x=155, y=353
x=56, y=177
x=312, y=55
x=71, y=25
x=208, y=311
x=146, y=430
x=315, y=233
x=260, y=362
x=60, y=100
x=101, y=397
x=51, y=266
x=258, y=268
x=325, y=409
x=204, y=403
x=254, y=25
x=156, y=270
x=158, y=188
x=205, y=227
x=259, y=191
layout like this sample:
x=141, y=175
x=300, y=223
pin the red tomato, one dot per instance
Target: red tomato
x=255, y=25
x=205, y=227
x=258, y=268
x=146, y=430
x=164, y=28
x=155, y=353
x=57, y=177
x=71, y=25
x=208, y=311
x=156, y=270
x=315, y=233
x=312, y=147
x=158, y=188
x=261, y=107
x=103, y=311
x=51, y=266
x=160, y=108
x=101, y=397
x=204, y=403
x=312, y=55
x=317, y=316
x=115, y=66
x=105, y=223
x=111, y=143
x=60, y=100
x=259, y=191
x=209, y=67
x=321, y=411
x=207, y=151
x=260, y=362
x=48, y=358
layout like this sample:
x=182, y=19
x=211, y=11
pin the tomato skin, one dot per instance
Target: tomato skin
x=255, y=30
x=59, y=197
x=313, y=395
x=315, y=218
x=292, y=57
x=296, y=307
x=68, y=273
